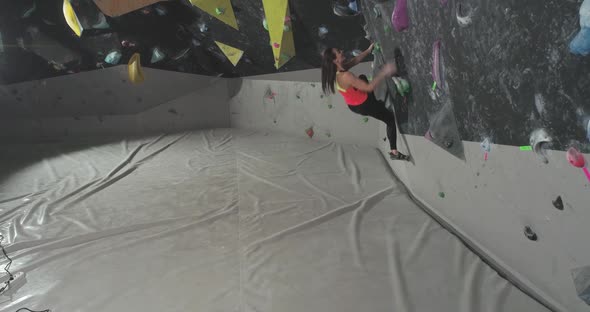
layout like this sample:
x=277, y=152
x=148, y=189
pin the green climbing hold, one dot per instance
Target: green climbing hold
x=376, y=48
x=330, y=106
x=219, y=11
x=366, y=119
x=265, y=24
x=402, y=86
x=328, y=134
x=441, y=194
x=387, y=28
x=286, y=28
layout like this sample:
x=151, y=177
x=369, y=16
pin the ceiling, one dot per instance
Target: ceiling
x=37, y=43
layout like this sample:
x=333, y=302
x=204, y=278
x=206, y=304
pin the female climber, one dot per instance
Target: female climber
x=358, y=91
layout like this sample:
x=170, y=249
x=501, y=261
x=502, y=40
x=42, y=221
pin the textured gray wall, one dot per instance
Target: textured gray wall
x=105, y=103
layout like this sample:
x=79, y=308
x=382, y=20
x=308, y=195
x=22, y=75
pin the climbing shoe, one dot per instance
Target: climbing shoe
x=343, y=10
x=399, y=156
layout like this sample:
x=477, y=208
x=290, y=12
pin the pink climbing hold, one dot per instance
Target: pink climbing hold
x=575, y=157
x=399, y=18
x=309, y=132
x=276, y=45
x=577, y=160
x=436, y=63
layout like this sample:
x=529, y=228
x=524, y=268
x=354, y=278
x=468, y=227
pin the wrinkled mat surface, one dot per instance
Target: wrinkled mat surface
x=228, y=220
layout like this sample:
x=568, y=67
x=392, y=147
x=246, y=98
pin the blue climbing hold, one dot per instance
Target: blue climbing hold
x=581, y=43
x=113, y=58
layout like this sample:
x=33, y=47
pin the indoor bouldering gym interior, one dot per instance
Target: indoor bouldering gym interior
x=294, y=155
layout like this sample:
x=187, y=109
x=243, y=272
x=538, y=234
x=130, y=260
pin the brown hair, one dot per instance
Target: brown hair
x=328, y=71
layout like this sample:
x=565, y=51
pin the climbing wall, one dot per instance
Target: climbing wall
x=299, y=107
x=497, y=99
x=105, y=102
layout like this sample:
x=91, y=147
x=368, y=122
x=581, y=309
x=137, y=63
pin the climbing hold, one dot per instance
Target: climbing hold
x=399, y=18
x=540, y=141
x=309, y=132
x=402, y=85
x=173, y=111
x=330, y=106
x=366, y=119
x=102, y=22
x=161, y=10
x=220, y=9
x=71, y=18
x=581, y=43
x=449, y=143
x=134, y=69
x=328, y=134
x=526, y=148
x=376, y=11
x=29, y=11
x=233, y=55
x=529, y=233
x=581, y=277
x=276, y=45
x=577, y=160
x=558, y=203
x=286, y=28
x=376, y=48
x=127, y=44
x=157, y=55
x=436, y=64
x=441, y=194
x=203, y=27
x=322, y=31
x=265, y=24
x=463, y=19
x=113, y=58
x=387, y=28
x=485, y=147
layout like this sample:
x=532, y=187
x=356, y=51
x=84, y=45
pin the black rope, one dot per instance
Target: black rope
x=6, y=267
x=11, y=276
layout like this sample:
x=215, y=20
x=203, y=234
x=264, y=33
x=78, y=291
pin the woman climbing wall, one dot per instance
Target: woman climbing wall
x=358, y=91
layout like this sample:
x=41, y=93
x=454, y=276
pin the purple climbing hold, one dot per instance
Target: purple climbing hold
x=436, y=63
x=399, y=18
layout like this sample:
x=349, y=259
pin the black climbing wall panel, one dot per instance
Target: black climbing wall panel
x=505, y=64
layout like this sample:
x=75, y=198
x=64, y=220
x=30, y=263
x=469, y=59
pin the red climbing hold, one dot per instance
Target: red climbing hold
x=399, y=18
x=309, y=132
x=276, y=45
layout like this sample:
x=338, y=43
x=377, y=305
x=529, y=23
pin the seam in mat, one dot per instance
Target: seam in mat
x=472, y=246
x=239, y=229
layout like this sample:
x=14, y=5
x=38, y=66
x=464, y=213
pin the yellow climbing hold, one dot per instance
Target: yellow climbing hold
x=220, y=9
x=135, y=70
x=233, y=55
x=277, y=16
x=72, y=18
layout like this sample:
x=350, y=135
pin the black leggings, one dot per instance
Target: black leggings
x=376, y=109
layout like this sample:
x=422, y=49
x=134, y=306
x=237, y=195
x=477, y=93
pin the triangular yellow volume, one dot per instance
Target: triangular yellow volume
x=135, y=70
x=220, y=9
x=233, y=55
x=71, y=18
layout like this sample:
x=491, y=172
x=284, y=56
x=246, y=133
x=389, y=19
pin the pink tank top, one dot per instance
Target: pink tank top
x=352, y=96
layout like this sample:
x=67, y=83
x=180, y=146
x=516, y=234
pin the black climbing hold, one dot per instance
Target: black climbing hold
x=558, y=203
x=275, y=121
x=529, y=233
x=477, y=174
x=173, y=111
x=448, y=144
x=384, y=139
